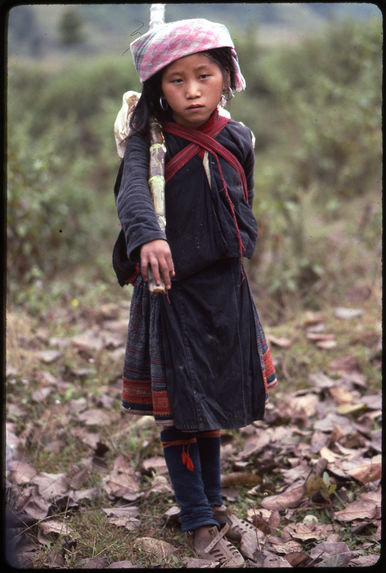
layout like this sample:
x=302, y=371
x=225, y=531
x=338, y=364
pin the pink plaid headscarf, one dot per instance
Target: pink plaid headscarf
x=169, y=42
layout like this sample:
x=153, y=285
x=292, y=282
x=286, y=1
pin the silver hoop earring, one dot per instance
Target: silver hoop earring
x=229, y=93
x=163, y=104
x=223, y=101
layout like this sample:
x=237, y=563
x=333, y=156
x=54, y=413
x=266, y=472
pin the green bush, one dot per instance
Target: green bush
x=61, y=166
x=47, y=207
x=323, y=105
x=329, y=89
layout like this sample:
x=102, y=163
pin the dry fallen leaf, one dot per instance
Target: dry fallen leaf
x=41, y=394
x=341, y=395
x=122, y=482
x=373, y=497
x=51, y=485
x=346, y=409
x=89, y=438
x=344, y=365
x=156, y=464
x=305, y=531
x=240, y=478
x=320, y=380
x=49, y=356
x=156, y=547
x=253, y=445
x=285, y=546
x=172, y=514
x=129, y=523
x=160, y=486
x=259, y=522
x=35, y=506
x=326, y=344
x=96, y=563
x=319, y=336
x=55, y=526
x=308, y=403
x=95, y=417
x=122, y=565
x=294, y=559
x=329, y=422
x=88, y=342
x=282, y=341
x=300, y=471
x=318, y=441
x=79, y=478
x=85, y=494
x=329, y=455
x=347, y=313
x=373, y=401
x=357, y=510
x=365, y=561
x=125, y=512
x=21, y=472
x=78, y=405
x=274, y=561
x=292, y=497
x=331, y=554
x=312, y=317
x=370, y=470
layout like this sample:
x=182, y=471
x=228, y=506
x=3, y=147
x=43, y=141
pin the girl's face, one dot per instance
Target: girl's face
x=192, y=86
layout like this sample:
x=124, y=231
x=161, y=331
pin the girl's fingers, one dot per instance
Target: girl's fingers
x=155, y=268
x=156, y=255
x=167, y=271
x=144, y=267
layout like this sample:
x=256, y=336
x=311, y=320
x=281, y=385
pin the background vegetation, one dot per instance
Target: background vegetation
x=314, y=107
x=313, y=100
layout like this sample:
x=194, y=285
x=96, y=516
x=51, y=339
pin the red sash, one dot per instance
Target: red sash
x=202, y=139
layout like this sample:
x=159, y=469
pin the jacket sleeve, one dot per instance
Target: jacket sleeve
x=134, y=203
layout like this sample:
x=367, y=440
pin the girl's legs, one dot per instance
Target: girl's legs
x=209, y=444
x=193, y=462
x=182, y=458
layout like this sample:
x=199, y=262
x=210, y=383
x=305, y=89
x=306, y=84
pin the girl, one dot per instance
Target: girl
x=196, y=359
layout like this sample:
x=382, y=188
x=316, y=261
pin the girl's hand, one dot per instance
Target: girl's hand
x=157, y=254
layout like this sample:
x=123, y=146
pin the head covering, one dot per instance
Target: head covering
x=164, y=44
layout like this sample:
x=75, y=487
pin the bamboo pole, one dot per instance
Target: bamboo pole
x=157, y=159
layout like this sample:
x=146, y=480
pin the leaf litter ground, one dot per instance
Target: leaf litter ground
x=87, y=486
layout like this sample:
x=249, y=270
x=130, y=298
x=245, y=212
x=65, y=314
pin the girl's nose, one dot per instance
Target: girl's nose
x=192, y=90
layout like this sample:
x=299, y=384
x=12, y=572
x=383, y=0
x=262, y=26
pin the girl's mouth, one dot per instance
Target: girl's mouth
x=194, y=107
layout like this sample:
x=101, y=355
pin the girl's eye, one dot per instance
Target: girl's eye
x=204, y=76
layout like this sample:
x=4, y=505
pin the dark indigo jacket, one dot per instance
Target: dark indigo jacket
x=200, y=227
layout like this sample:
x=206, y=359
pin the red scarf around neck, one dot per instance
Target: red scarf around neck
x=203, y=139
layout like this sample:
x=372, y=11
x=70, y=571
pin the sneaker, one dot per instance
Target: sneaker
x=239, y=531
x=209, y=543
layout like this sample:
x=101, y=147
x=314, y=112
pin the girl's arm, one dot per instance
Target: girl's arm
x=144, y=239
